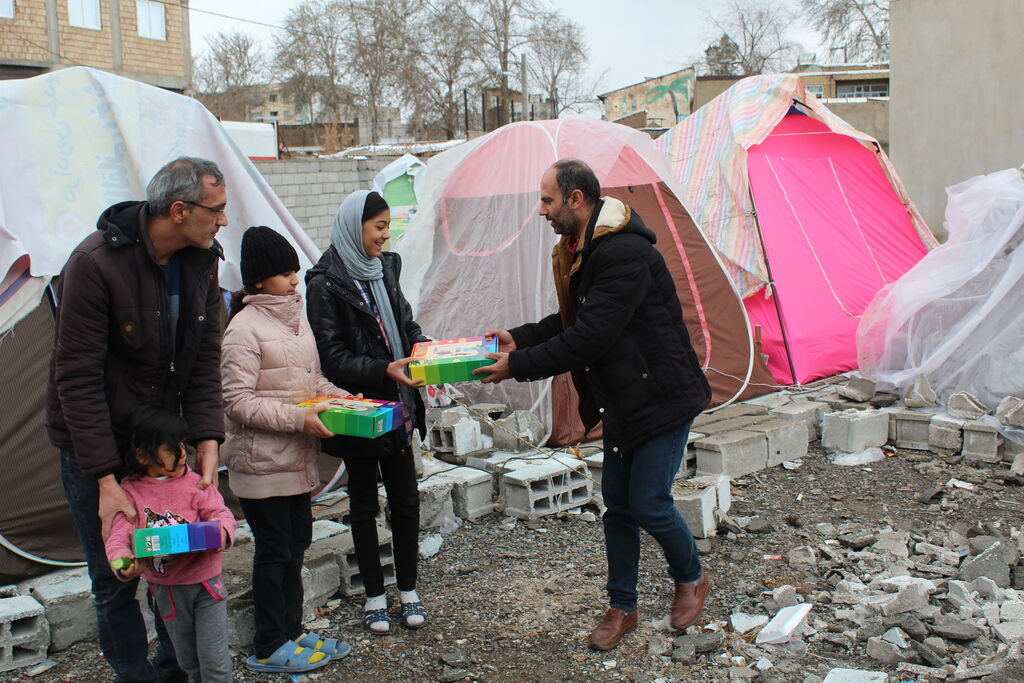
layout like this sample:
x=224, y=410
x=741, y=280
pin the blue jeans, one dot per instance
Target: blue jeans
x=637, y=490
x=118, y=618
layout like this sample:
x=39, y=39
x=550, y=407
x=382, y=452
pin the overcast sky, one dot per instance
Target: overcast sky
x=629, y=40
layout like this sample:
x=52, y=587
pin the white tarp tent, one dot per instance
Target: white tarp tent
x=78, y=140
x=957, y=317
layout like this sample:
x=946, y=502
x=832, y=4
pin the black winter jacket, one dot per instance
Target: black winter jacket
x=112, y=344
x=628, y=349
x=353, y=352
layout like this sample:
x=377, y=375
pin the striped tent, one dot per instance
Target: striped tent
x=807, y=212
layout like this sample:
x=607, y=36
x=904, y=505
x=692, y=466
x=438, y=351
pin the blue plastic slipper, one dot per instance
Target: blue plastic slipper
x=289, y=658
x=332, y=647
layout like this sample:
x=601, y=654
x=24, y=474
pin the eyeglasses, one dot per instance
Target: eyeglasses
x=204, y=206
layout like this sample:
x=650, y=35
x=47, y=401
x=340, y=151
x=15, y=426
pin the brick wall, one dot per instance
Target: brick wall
x=312, y=189
x=82, y=45
x=150, y=56
x=24, y=36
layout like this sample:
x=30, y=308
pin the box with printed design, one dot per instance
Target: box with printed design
x=451, y=360
x=353, y=416
x=176, y=539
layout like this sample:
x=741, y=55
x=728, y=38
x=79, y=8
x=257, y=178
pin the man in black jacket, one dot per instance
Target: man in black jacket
x=620, y=332
x=138, y=322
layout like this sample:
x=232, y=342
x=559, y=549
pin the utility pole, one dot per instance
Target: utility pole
x=524, y=84
x=465, y=110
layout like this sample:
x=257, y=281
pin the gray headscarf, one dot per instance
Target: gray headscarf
x=347, y=240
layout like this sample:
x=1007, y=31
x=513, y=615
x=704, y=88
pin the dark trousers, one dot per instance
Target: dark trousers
x=282, y=527
x=637, y=489
x=122, y=633
x=398, y=473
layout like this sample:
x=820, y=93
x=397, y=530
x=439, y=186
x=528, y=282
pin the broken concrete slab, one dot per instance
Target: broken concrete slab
x=520, y=431
x=920, y=394
x=857, y=388
x=965, y=406
x=729, y=411
x=1010, y=412
x=993, y=563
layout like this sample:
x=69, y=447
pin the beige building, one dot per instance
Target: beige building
x=957, y=68
x=146, y=40
x=666, y=100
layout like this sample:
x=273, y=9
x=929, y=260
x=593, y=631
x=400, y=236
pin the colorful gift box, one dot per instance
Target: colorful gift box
x=451, y=360
x=176, y=539
x=353, y=416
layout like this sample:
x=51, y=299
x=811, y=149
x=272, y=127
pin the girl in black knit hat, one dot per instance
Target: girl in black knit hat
x=269, y=363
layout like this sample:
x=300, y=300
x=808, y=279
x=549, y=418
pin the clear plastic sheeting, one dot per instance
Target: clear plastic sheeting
x=957, y=317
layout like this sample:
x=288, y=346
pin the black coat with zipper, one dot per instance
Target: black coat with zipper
x=112, y=343
x=353, y=352
x=628, y=348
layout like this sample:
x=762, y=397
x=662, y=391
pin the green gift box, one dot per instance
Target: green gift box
x=451, y=360
x=353, y=416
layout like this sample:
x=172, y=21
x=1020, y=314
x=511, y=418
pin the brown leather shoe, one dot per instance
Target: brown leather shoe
x=609, y=632
x=689, y=602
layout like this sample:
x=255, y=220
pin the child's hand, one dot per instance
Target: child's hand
x=133, y=571
x=312, y=424
x=223, y=539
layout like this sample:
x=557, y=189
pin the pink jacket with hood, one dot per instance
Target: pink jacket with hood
x=269, y=363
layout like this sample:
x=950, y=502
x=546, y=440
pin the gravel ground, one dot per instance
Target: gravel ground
x=512, y=601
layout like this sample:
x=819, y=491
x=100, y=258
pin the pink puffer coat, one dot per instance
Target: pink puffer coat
x=269, y=363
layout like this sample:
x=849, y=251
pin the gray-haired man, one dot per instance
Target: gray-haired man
x=138, y=322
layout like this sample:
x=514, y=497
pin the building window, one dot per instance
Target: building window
x=273, y=113
x=273, y=97
x=816, y=90
x=151, y=19
x=7, y=9
x=84, y=14
x=862, y=90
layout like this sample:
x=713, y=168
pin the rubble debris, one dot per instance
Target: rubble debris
x=920, y=394
x=965, y=406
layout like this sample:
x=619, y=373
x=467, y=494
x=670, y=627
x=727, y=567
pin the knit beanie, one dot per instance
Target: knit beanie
x=374, y=206
x=265, y=253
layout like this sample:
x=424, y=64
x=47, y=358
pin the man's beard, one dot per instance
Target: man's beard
x=564, y=222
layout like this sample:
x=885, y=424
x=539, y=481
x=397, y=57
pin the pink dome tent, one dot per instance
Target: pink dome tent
x=478, y=255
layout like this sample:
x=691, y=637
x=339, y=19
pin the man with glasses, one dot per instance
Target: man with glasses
x=138, y=322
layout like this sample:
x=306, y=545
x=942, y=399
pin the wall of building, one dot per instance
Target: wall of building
x=84, y=45
x=870, y=116
x=652, y=95
x=166, y=57
x=313, y=189
x=708, y=88
x=957, y=85
x=24, y=36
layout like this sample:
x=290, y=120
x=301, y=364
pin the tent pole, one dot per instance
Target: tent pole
x=775, y=296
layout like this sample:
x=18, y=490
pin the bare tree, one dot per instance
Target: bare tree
x=558, y=61
x=377, y=46
x=499, y=27
x=860, y=28
x=224, y=73
x=310, y=58
x=758, y=28
x=439, y=72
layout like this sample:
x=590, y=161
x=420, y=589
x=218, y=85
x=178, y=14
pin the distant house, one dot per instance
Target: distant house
x=666, y=99
x=145, y=40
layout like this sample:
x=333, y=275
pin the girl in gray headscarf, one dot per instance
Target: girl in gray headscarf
x=364, y=332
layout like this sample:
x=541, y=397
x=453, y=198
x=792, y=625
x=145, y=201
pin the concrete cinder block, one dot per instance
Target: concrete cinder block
x=910, y=429
x=726, y=413
x=24, y=632
x=466, y=438
x=787, y=439
x=351, y=581
x=545, y=487
x=720, y=484
x=488, y=413
x=732, y=453
x=435, y=502
x=698, y=509
x=472, y=492
x=853, y=430
x=945, y=434
x=732, y=424
x=595, y=466
x=809, y=412
x=520, y=431
x=321, y=578
x=67, y=597
x=982, y=442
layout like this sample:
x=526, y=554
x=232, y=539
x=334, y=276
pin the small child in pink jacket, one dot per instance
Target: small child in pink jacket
x=187, y=588
x=269, y=363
